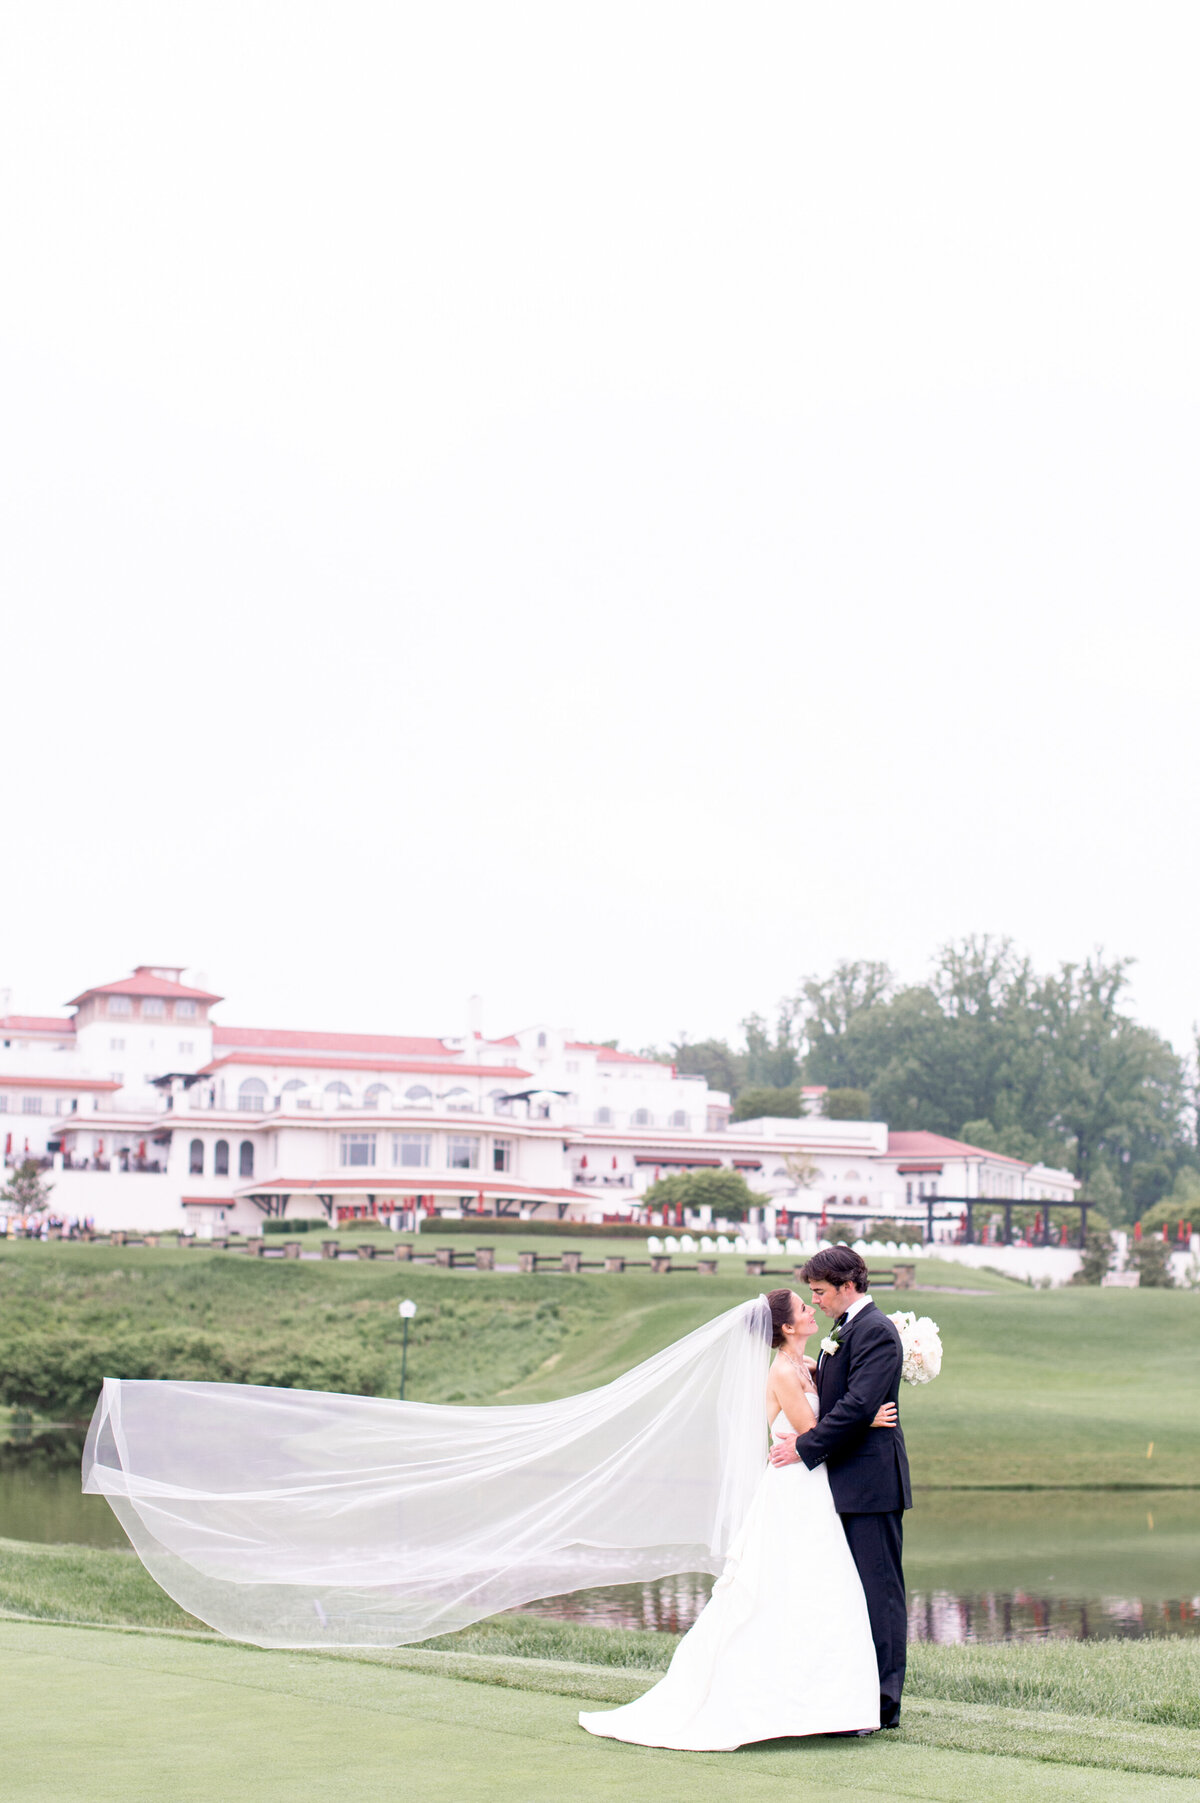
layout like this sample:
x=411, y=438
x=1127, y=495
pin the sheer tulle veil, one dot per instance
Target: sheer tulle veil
x=294, y=1518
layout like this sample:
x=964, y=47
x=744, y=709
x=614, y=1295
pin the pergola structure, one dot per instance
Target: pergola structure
x=963, y=1208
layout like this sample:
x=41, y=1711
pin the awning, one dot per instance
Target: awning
x=747, y=1164
x=914, y=1170
x=678, y=1159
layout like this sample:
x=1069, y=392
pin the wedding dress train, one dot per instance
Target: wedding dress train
x=784, y=1645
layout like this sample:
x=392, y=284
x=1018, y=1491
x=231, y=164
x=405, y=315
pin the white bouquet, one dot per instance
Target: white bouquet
x=922, y=1347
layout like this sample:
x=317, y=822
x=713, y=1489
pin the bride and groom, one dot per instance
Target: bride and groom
x=806, y=1629
x=294, y=1518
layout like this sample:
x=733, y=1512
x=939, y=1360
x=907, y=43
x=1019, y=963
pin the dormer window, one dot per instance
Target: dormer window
x=153, y=1005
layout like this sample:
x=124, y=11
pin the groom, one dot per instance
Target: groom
x=868, y=1468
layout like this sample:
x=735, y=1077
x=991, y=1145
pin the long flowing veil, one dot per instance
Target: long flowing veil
x=293, y=1518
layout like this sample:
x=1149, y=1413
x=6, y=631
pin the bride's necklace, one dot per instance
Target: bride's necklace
x=800, y=1368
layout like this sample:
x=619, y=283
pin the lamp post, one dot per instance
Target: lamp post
x=407, y=1311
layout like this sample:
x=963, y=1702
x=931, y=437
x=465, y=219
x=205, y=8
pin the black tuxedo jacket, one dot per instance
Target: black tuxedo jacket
x=868, y=1466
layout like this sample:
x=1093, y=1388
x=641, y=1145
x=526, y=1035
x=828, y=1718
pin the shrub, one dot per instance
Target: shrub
x=725, y=1192
x=848, y=1105
x=1150, y=1259
x=759, y=1102
x=1097, y=1259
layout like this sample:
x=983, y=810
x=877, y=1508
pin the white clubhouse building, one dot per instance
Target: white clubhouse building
x=151, y=1116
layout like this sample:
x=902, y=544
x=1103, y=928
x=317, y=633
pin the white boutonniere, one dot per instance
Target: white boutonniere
x=829, y=1345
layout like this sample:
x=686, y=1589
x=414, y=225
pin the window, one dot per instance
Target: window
x=418, y=1096
x=358, y=1148
x=641, y=1117
x=116, y=1045
x=288, y=1093
x=252, y=1096
x=459, y=1100
x=31, y=1104
x=185, y=1011
x=221, y=1158
x=246, y=1159
x=378, y=1096
x=604, y=1117
x=499, y=1101
x=153, y=1006
x=119, y=1004
x=679, y=1118
x=411, y=1148
x=196, y=1158
x=464, y=1152
x=541, y=1041
x=186, y=1045
x=3, y=1104
x=502, y=1155
x=116, y=1076
x=337, y=1095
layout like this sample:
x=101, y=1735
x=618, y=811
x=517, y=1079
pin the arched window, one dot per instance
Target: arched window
x=252, y=1095
x=378, y=1096
x=337, y=1095
x=459, y=1099
x=289, y=1094
x=196, y=1158
x=246, y=1159
x=679, y=1118
x=418, y=1096
x=221, y=1158
x=604, y=1117
x=499, y=1101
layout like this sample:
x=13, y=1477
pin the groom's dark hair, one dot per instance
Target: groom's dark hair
x=837, y=1265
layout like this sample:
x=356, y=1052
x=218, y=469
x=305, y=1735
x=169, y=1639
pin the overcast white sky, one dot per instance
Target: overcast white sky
x=612, y=507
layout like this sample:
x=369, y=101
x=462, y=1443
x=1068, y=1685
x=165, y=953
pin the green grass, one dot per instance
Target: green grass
x=1039, y=1388
x=199, y=1719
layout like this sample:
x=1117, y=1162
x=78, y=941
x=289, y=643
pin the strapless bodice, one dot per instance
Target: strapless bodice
x=781, y=1424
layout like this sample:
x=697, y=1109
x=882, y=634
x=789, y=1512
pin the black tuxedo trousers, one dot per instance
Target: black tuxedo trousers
x=868, y=1475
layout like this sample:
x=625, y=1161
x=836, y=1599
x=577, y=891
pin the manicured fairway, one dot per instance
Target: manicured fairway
x=95, y=1716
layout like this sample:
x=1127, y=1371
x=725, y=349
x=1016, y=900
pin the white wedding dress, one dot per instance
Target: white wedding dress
x=784, y=1645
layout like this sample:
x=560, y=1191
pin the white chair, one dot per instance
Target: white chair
x=774, y=1247
x=795, y=1248
x=741, y=1243
x=723, y=1244
x=706, y=1245
x=686, y=1243
x=653, y=1244
x=891, y=1248
x=670, y=1244
x=861, y=1247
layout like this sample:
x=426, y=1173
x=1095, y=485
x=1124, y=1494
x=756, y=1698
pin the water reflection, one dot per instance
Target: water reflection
x=672, y=1605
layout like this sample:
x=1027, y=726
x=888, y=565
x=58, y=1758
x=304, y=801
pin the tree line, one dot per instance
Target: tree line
x=1042, y=1066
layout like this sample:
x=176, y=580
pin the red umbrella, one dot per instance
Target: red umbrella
x=614, y=1161
x=481, y=1201
x=141, y=1148
x=583, y=1162
x=7, y=1144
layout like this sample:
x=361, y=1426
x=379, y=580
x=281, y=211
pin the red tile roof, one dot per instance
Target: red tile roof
x=607, y=1054
x=383, y=1183
x=38, y=1023
x=19, y=1082
x=936, y=1145
x=143, y=984
x=299, y=1040
x=412, y=1067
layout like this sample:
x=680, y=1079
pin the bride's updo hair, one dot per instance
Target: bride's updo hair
x=780, y=1303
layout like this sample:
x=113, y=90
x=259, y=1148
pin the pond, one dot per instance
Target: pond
x=981, y=1565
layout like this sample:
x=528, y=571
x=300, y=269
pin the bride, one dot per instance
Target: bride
x=784, y=1646
x=293, y=1518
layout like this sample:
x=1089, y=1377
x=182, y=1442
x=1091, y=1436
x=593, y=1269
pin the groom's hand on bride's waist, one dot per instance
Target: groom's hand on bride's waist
x=784, y=1451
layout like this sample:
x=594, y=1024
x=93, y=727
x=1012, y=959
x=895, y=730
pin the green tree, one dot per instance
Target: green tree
x=713, y=1059
x=26, y=1193
x=726, y=1192
x=836, y=1010
x=847, y=1105
x=772, y=1061
x=754, y=1104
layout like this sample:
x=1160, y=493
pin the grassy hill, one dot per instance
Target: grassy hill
x=1040, y=1388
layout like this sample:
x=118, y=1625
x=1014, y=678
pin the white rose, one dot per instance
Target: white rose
x=830, y=1345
